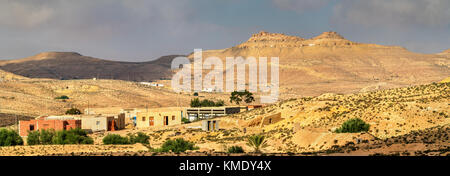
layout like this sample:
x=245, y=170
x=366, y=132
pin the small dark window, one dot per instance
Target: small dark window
x=143, y=118
x=31, y=127
x=173, y=117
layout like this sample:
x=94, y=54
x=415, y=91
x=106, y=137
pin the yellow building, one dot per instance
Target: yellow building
x=159, y=117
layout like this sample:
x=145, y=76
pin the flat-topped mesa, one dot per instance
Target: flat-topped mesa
x=265, y=39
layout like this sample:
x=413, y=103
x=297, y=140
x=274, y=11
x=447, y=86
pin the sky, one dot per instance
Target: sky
x=143, y=30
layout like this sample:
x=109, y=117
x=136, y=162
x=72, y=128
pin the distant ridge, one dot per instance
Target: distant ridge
x=72, y=65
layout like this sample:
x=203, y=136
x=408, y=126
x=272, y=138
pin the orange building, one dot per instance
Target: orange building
x=44, y=124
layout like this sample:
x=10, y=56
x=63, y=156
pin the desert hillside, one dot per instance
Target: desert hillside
x=7, y=76
x=70, y=65
x=33, y=97
x=445, y=53
x=403, y=121
x=308, y=124
x=330, y=63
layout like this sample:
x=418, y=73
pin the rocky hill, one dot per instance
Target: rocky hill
x=71, y=65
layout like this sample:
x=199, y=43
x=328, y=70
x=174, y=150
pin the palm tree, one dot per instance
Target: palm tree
x=257, y=142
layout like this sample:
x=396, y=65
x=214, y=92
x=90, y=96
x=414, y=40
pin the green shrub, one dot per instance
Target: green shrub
x=185, y=120
x=354, y=125
x=115, y=139
x=73, y=136
x=177, y=146
x=63, y=97
x=139, y=138
x=73, y=111
x=33, y=138
x=46, y=137
x=9, y=138
x=235, y=149
x=77, y=136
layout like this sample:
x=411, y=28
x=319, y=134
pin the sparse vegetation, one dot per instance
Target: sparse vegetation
x=354, y=125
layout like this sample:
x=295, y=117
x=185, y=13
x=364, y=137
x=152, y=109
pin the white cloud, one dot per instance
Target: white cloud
x=393, y=14
x=125, y=29
x=300, y=5
x=16, y=13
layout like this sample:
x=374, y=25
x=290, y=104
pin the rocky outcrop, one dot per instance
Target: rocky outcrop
x=265, y=39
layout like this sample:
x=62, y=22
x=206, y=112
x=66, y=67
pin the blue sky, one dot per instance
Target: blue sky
x=141, y=30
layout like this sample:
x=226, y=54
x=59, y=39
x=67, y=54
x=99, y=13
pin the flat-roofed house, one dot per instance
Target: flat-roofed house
x=96, y=123
x=159, y=117
x=130, y=115
x=48, y=122
x=210, y=112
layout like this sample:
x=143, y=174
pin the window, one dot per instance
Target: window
x=173, y=117
x=31, y=127
x=97, y=123
x=143, y=118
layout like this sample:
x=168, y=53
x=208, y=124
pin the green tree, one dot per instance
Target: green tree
x=73, y=111
x=257, y=142
x=241, y=96
x=354, y=125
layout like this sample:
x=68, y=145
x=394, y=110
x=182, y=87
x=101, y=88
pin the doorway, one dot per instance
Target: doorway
x=166, y=120
x=151, y=121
